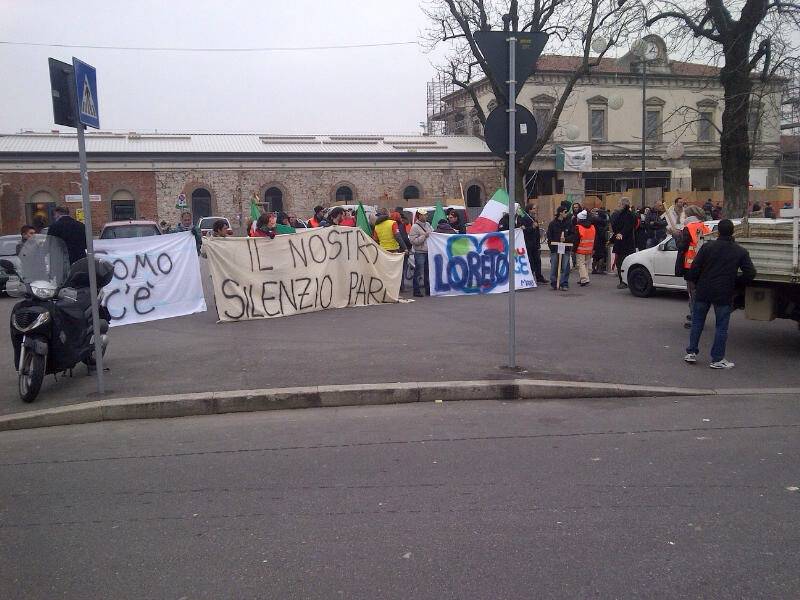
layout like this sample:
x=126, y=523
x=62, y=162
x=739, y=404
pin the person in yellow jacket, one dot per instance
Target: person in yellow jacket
x=387, y=233
x=586, y=233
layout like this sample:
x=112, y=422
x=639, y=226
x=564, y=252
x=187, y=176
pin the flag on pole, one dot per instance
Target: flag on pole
x=281, y=228
x=489, y=219
x=255, y=212
x=361, y=220
x=438, y=214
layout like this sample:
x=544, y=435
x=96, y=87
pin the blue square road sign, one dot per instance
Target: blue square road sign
x=86, y=88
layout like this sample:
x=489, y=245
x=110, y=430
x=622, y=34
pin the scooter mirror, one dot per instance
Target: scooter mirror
x=8, y=266
x=15, y=288
x=68, y=293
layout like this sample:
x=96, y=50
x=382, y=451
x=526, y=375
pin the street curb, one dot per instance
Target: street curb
x=215, y=403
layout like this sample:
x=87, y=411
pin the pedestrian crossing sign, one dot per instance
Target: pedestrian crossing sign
x=86, y=87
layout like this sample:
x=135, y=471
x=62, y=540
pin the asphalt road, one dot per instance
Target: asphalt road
x=658, y=498
x=596, y=333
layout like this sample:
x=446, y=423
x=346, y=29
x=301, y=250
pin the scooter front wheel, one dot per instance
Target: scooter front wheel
x=31, y=376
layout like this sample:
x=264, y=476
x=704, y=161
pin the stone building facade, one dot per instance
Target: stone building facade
x=683, y=104
x=142, y=176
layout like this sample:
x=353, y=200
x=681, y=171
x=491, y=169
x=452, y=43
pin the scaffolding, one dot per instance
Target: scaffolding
x=438, y=88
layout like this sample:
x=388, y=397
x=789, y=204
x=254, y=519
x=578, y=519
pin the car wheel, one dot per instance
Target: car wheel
x=639, y=282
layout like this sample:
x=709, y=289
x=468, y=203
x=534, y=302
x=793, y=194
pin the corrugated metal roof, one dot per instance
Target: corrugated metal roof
x=238, y=143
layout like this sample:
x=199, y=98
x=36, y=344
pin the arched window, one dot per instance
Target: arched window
x=201, y=204
x=123, y=206
x=273, y=199
x=411, y=193
x=344, y=194
x=474, y=196
x=39, y=209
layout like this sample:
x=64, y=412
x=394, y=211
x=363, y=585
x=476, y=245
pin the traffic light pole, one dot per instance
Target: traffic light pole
x=87, y=215
x=512, y=214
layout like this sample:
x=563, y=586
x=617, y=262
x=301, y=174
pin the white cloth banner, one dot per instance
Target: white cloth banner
x=155, y=277
x=476, y=264
x=578, y=158
x=311, y=270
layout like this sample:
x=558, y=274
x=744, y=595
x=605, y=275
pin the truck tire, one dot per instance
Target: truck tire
x=639, y=282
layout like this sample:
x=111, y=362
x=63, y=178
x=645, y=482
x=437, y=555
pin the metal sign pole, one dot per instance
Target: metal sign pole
x=87, y=215
x=512, y=215
x=644, y=128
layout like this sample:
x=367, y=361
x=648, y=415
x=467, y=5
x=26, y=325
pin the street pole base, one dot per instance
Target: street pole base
x=510, y=369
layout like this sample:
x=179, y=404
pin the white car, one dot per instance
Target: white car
x=206, y=224
x=654, y=268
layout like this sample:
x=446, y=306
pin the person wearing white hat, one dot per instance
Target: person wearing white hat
x=418, y=234
x=584, y=246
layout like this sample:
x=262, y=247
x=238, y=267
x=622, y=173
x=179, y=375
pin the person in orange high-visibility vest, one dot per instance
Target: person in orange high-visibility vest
x=687, y=242
x=585, y=246
x=316, y=220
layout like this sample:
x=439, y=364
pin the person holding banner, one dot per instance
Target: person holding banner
x=418, y=235
x=560, y=230
x=387, y=233
x=186, y=225
x=266, y=226
x=317, y=218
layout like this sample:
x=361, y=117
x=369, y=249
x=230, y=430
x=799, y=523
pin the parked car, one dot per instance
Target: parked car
x=411, y=213
x=8, y=251
x=129, y=229
x=206, y=224
x=654, y=268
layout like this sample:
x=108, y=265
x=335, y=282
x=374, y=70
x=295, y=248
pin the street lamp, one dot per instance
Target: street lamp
x=647, y=51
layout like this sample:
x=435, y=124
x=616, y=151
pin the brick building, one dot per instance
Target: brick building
x=140, y=176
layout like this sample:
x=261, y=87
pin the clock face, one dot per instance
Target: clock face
x=651, y=51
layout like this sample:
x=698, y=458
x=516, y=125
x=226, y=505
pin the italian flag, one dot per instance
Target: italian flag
x=490, y=216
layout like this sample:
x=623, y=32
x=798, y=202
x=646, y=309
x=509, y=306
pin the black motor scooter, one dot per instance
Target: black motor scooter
x=51, y=329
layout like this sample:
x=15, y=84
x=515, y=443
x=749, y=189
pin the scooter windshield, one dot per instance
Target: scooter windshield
x=44, y=258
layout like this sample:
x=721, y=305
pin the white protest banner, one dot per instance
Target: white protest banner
x=307, y=271
x=155, y=277
x=476, y=263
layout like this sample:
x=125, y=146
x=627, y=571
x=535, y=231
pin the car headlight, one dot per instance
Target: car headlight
x=42, y=290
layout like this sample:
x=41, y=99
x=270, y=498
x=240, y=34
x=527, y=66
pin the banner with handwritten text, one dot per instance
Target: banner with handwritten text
x=476, y=264
x=307, y=271
x=155, y=277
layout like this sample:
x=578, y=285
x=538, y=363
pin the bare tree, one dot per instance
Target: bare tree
x=752, y=48
x=573, y=26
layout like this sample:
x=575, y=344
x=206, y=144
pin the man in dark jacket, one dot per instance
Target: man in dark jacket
x=533, y=242
x=560, y=230
x=599, y=218
x=656, y=226
x=715, y=272
x=71, y=231
x=623, y=224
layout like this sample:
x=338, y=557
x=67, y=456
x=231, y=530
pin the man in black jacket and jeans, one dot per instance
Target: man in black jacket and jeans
x=715, y=271
x=71, y=231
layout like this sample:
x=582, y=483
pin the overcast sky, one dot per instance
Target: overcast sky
x=371, y=90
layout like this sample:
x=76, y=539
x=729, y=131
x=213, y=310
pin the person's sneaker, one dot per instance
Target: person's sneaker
x=721, y=364
x=691, y=357
x=622, y=286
